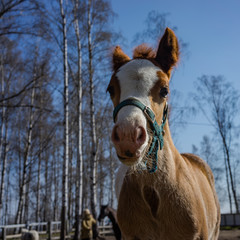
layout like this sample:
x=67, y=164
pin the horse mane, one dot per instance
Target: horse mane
x=143, y=51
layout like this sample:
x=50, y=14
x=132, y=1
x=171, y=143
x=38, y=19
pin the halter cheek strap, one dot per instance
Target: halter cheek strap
x=158, y=132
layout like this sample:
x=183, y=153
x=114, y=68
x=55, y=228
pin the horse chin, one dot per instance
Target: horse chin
x=129, y=161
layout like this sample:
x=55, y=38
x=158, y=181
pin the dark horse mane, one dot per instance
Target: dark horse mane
x=107, y=211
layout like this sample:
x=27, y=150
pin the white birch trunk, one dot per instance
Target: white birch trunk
x=2, y=171
x=8, y=197
x=37, y=218
x=3, y=142
x=4, y=166
x=56, y=185
x=38, y=184
x=93, y=160
x=66, y=127
x=79, y=180
x=26, y=199
x=26, y=161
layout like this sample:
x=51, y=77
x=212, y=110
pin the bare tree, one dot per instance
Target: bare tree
x=93, y=161
x=22, y=195
x=3, y=156
x=79, y=174
x=14, y=15
x=66, y=125
x=219, y=102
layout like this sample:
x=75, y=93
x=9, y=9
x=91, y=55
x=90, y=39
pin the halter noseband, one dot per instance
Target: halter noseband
x=158, y=131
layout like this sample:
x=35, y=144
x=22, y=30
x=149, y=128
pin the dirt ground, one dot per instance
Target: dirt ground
x=224, y=235
x=229, y=235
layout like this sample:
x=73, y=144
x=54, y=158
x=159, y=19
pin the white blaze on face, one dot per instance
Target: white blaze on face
x=136, y=79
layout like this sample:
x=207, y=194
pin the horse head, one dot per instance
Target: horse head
x=104, y=211
x=138, y=89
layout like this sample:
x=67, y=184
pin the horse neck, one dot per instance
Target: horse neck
x=169, y=155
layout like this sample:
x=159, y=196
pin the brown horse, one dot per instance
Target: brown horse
x=162, y=194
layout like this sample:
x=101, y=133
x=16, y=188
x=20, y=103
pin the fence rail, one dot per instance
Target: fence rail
x=105, y=230
x=43, y=228
x=232, y=220
x=51, y=230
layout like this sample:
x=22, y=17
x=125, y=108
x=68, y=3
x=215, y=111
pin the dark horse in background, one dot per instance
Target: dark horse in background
x=107, y=211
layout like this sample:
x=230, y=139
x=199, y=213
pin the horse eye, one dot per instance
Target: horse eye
x=164, y=92
x=111, y=91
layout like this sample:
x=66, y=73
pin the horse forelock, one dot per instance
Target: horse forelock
x=144, y=51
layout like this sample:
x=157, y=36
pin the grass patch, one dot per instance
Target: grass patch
x=229, y=228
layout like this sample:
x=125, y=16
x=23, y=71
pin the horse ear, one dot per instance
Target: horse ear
x=168, y=51
x=119, y=58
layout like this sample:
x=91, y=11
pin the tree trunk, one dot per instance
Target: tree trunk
x=70, y=180
x=26, y=203
x=93, y=158
x=3, y=114
x=229, y=169
x=3, y=141
x=37, y=218
x=46, y=193
x=4, y=166
x=8, y=199
x=19, y=214
x=79, y=175
x=100, y=183
x=56, y=185
x=93, y=163
x=228, y=184
x=66, y=127
x=39, y=180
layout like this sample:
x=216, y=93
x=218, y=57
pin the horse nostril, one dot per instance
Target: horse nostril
x=140, y=135
x=128, y=153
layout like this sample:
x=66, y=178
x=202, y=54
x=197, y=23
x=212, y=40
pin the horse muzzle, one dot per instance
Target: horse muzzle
x=129, y=141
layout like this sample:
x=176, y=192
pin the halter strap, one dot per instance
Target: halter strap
x=158, y=132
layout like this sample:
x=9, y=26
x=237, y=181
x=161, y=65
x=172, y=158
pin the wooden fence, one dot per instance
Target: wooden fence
x=51, y=230
x=46, y=230
x=43, y=228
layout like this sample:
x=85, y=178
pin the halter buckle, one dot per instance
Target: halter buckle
x=147, y=111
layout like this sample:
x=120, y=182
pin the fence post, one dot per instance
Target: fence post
x=49, y=230
x=4, y=233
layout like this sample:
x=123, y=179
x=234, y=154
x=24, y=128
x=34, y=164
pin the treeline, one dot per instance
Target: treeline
x=56, y=118
x=54, y=67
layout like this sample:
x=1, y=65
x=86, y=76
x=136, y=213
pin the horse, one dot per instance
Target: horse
x=161, y=193
x=107, y=211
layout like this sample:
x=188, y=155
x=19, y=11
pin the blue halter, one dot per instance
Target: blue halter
x=158, y=132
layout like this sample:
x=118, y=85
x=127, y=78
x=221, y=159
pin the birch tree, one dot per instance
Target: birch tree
x=23, y=193
x=79, y=174
x=27, y=149
x=3, y=139
x=66, y=125
x=93, y=160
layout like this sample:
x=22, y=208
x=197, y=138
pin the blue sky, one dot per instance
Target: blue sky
x=212, y=30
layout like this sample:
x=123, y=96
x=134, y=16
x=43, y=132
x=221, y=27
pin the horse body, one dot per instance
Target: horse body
x=169, y=206
x=161, y=193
